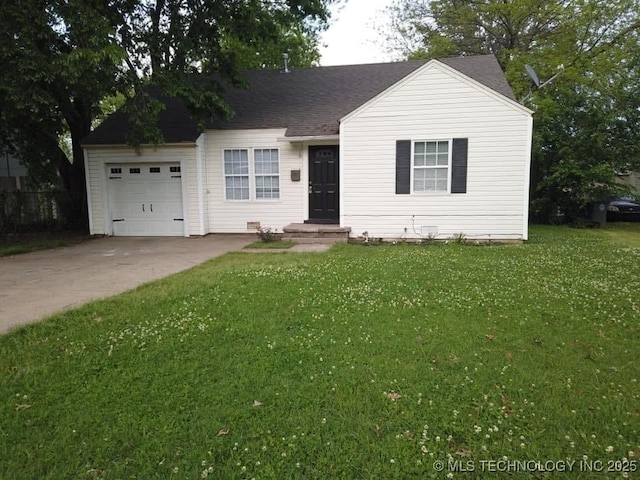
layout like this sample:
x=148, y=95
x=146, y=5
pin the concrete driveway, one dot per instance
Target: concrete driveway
x=38, y=284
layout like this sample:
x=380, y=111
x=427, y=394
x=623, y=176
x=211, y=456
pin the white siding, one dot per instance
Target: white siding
x=231, y=216
x=97, y=159
x=435, y=104
x=203, y=206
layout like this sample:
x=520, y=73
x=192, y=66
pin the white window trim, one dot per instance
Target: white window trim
x=255, y=175
x=225, y=175
x=252, y=175
x=449, y=169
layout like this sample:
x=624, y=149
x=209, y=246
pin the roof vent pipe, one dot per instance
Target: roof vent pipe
x=285, y=59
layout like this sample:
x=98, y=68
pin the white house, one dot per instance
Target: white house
x=397, y=150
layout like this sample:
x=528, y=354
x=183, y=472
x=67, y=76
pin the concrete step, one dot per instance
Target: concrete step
x=315, y=233
x=315, y=228
x=318, y=240
x=337, y=235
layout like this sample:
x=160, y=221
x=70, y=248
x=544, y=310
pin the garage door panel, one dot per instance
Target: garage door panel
x=146, y=200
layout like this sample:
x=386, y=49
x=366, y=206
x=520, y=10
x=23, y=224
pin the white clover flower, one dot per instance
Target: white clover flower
x=609, y=449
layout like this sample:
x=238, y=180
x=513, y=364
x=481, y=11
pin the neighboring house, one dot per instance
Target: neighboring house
x=630, y=178
x=397, y=150
x=23, y=204
x=13, y=175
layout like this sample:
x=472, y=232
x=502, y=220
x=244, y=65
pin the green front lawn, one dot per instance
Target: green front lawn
x=363, y=362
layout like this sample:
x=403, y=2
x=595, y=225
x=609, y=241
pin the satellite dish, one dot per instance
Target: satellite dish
x=536, y=81
x=532, y=75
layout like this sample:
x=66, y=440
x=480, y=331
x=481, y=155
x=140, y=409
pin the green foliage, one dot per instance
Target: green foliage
x=459, y=238
x=266, y=235
x=587, y=122
x=358, y=363
x=300, y=45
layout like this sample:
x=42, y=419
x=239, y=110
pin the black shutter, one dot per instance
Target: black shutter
x=459, y=165
x=403, y=166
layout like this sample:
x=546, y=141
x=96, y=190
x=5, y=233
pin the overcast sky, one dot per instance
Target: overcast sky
x=352, y=36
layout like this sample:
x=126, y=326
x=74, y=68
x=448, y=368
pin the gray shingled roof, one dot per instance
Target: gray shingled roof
x=305, y=101
x=175, y=123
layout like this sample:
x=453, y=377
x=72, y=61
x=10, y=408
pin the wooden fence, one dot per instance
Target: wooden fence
x=29, y=210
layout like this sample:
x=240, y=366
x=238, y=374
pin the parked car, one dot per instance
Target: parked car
x=623, y=209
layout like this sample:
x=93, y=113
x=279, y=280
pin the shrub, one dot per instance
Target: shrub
x=267, y=235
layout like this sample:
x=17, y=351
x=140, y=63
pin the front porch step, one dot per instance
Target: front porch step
x=315, y=233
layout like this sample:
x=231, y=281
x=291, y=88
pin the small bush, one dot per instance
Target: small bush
x=267, y=235
x=459, y=238
x=428, y=239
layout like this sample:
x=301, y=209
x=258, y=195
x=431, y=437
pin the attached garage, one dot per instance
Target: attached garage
x=145, y=199
x=154, y=192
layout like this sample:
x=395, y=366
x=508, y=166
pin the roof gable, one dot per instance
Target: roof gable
x=305, y=101
x=484, y=79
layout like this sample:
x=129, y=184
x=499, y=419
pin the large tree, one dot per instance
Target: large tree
x=586, y=123
x=61, y=58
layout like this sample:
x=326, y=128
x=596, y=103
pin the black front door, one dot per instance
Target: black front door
x=323, y=184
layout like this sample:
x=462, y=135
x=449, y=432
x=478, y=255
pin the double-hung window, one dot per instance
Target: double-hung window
x=252, y=170
x=431, y=160
x=236, y=174
x=266, y=173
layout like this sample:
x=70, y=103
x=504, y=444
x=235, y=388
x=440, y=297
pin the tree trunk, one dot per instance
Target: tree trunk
x=73, y=173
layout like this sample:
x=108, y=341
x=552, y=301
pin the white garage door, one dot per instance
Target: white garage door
x=146, y=199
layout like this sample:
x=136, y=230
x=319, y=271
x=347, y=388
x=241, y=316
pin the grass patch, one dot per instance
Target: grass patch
x=16, y=244
x=278, y=244
x=356, y=363
x=621, y=233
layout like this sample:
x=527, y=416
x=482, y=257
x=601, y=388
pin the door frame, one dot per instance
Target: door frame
x=338, y=169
